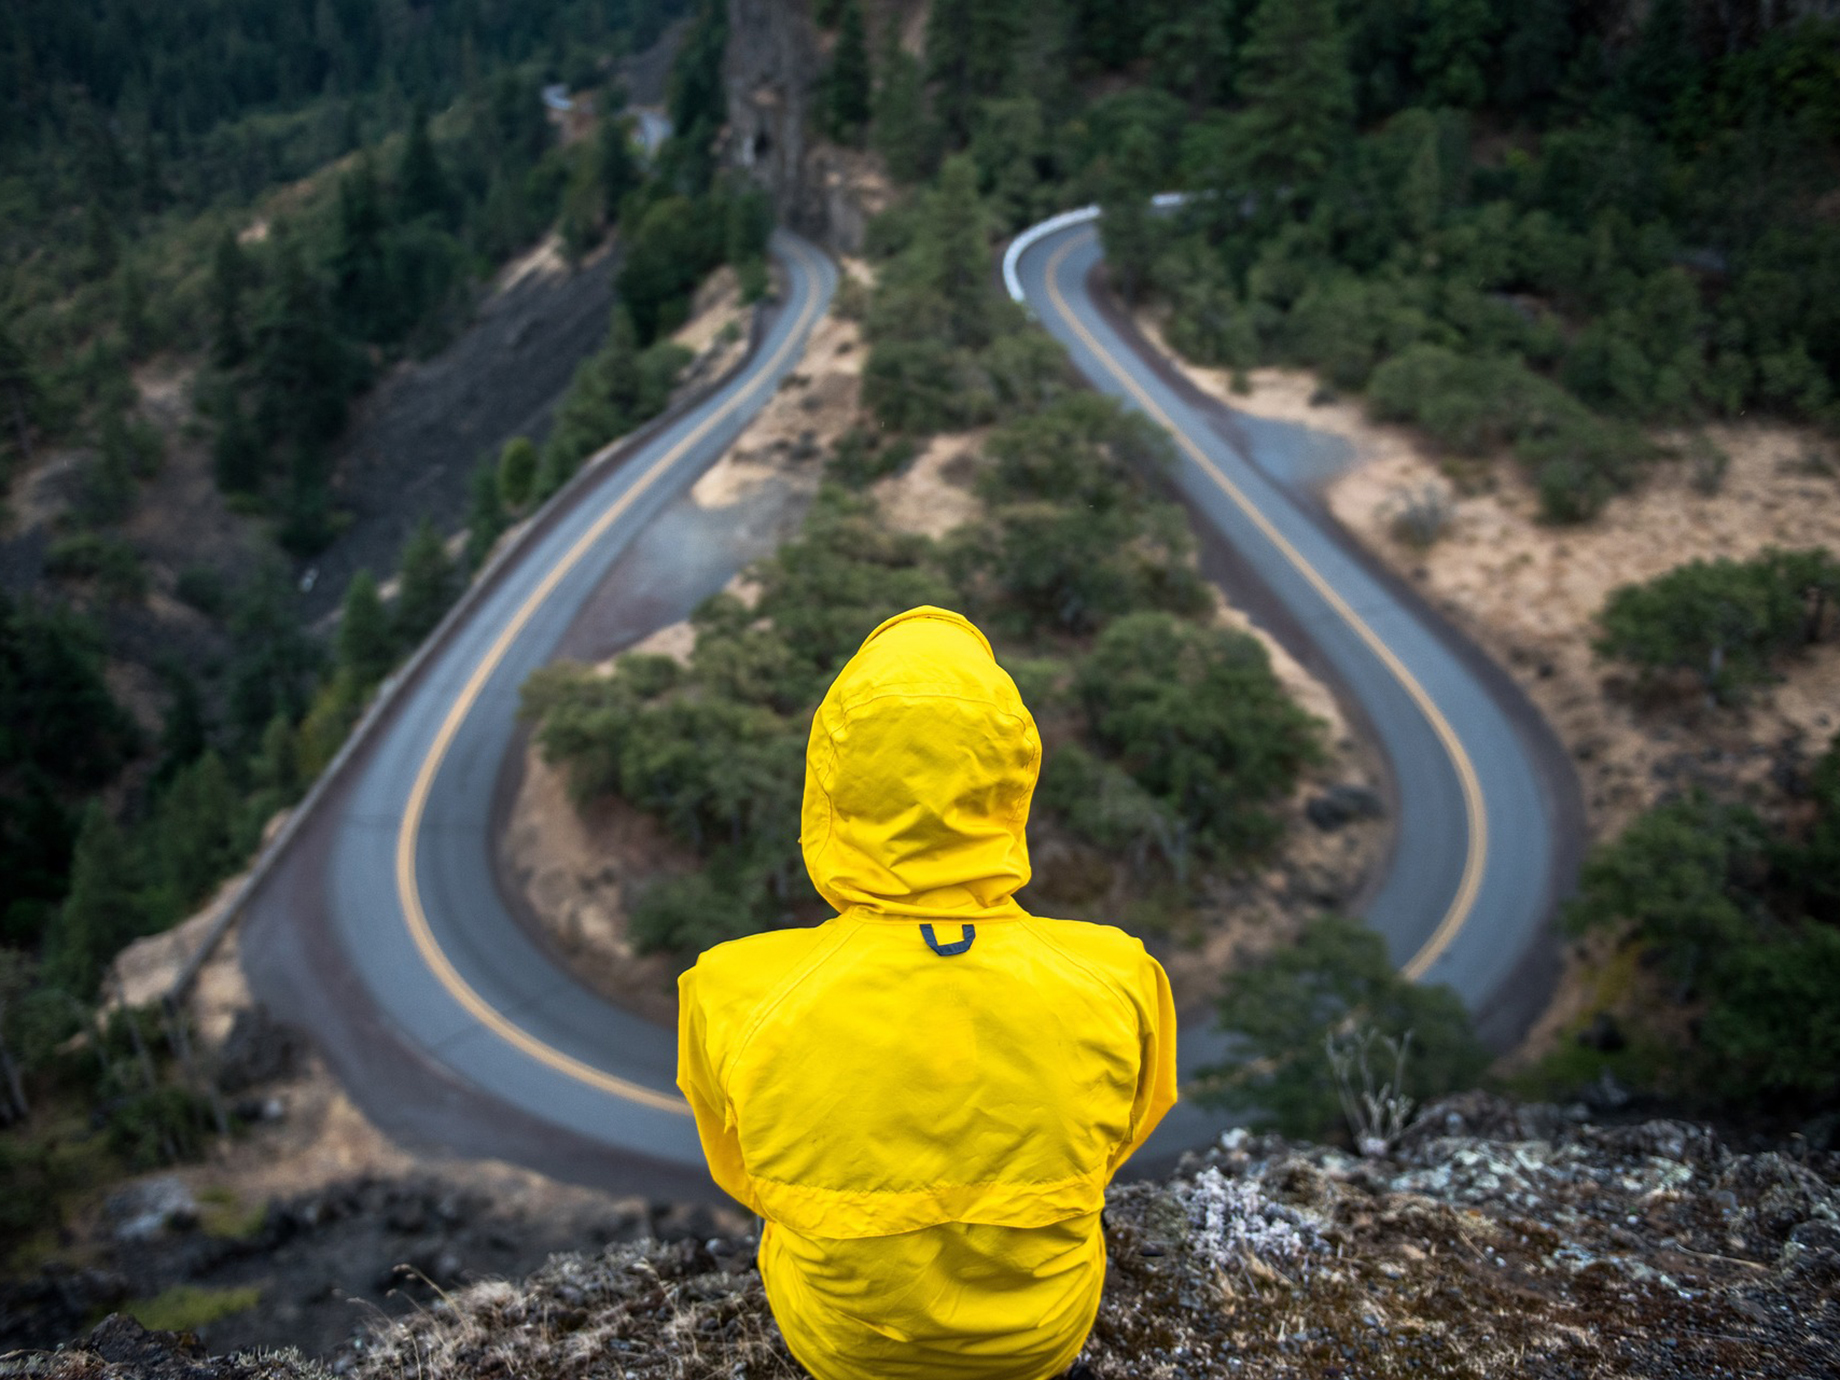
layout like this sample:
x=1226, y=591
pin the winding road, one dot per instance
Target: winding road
x=382, y=929
x=1486, y=823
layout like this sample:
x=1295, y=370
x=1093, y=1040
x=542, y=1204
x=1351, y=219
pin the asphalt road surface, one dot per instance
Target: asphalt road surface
x=383, y=930
x=1484, y=803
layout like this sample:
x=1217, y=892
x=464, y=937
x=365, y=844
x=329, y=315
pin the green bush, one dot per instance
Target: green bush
x=517, y=471
x=112, y=563
x=162, y=1125
x=614, y=390
x=1724, y=620
x=922, y=386
x=1334, y=979
x=687, y=915
x=1197, y=718
x=1743, y=917
x=1676, y=876
x=860, y=458
x=1474, y=405
x=1343, y=326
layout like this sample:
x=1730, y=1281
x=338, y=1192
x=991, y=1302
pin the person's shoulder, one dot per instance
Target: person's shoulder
x=1119, y=953
x=750, y=966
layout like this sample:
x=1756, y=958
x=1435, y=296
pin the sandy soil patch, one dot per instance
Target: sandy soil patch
x=578, y=865
x=932, y=495
x=1529, y=593
x=815, y=404
x=544, y=260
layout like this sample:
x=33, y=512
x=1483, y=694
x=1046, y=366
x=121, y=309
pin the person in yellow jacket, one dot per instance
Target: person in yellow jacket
x=925, y=1096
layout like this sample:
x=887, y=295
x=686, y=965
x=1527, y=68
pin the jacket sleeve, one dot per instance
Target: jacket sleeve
x=1156, y=1070
x=697, y=1080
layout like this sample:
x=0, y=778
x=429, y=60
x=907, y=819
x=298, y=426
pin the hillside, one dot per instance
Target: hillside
x=1492, y=1240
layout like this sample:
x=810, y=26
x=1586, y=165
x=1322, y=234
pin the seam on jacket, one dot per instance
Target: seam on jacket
x=773, y=1000
x=1074, y=1179
x=926, y=690
x=830, y=802
x=1117, y=991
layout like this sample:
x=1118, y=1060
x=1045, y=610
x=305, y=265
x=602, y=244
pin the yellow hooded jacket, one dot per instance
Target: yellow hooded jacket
x=926, y=1117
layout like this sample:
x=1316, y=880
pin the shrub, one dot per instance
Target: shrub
x=922, y=386
x=1420, y=516
x=1474, y=405
x=860, y=458
x=1197, y=718
x=114, y=565
x=1724, y=620
x=517, y=471
x=1284, y=1009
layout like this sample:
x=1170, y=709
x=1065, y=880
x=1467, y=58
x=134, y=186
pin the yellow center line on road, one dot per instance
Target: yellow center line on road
x=1476, y=855
x=409, y=890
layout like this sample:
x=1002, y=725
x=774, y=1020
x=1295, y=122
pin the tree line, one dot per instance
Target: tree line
x=1516, y=226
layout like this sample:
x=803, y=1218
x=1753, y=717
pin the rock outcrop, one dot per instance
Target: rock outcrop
x=1492, y=1240
x=771, y=70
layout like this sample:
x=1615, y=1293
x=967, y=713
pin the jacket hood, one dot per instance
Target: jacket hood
x=918, y=775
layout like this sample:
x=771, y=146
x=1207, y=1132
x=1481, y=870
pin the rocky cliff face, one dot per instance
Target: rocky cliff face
x=771, y=69
x=1493, y=1240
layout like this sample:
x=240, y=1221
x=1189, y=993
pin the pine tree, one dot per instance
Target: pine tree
x=229, y=279
x=182, y=737
x=904, y=132
x=101, y=913
x=619, y=170
x=421, y=185
x=361, y=290
x=960, y=251
x=485, y=515
x=1128, y=223
x=366, y=643
x=427, y=584
x=273, y=661
x=849, y=83
x=152, y=175
x=303, y=373
x=236, y=454
x=19, y=393
x=1299, y=95
x=102, y=249
x=192, y=837
x=1422, y=193
x=970, y=49
x=17, y=971
x=136, y=329
x=581, y=208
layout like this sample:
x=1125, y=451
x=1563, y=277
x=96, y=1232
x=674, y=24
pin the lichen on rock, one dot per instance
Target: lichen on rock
x=1493, y=1240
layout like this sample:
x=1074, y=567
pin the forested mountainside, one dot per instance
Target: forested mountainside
x=219, y=225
